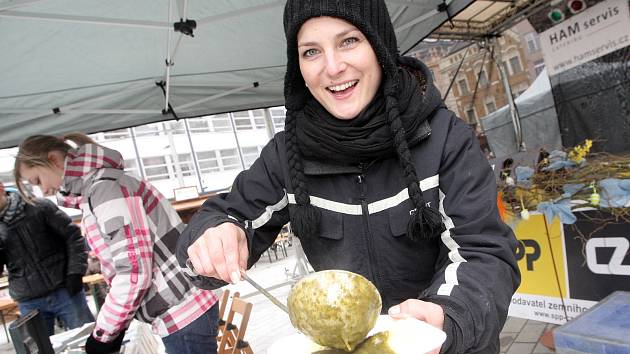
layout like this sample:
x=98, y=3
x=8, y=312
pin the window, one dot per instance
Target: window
x=515, y=64
x=116, y=134
x=221, y=123
x=483, y=79
x=533, y=43
x=229, y=159
x=242, y=120
x=147, y=129
x=471, y=115
x=490, y=107
x=539, y=66
x=208, y=161
x=176, y=127
x=131, y=166
x=520, y=89
x=155, y=168
x=463, y=87
x=7, y=178
x=503, y=66
x=198, y=125
x=186, y=165
x=250, y=154
x=259, y=119
x=278, y=114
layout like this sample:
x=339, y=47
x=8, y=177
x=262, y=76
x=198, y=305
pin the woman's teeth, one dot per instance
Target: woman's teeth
x=342, y=87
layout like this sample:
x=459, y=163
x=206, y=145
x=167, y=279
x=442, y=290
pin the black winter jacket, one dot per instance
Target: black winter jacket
x=470, y=270
x=40, y=250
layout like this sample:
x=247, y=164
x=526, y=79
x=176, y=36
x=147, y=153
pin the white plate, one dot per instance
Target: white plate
x=411, y=336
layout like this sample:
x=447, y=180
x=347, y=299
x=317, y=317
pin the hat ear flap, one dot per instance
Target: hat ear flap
x=424, y=222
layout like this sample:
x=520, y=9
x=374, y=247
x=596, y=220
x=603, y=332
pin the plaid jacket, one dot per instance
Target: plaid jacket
x=133, y=230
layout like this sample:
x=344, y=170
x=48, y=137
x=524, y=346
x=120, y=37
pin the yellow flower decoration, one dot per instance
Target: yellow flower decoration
x=578, y=153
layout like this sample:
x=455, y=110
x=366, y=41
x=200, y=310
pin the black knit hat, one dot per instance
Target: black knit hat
x=372, y=19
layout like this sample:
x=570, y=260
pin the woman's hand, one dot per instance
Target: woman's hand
x=428, y=312
x=221, y=252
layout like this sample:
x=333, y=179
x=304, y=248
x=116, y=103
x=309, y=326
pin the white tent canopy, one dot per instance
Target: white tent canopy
x=88, y=65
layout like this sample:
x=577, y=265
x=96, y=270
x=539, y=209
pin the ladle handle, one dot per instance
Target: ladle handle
x=271, y=298
x=190, y=270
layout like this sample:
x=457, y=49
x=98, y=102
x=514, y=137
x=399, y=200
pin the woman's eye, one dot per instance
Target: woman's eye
x=350, y=41
x=310, y=52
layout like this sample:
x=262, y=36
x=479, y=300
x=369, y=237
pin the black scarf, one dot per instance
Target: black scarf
x=368, y=136
x=14, y=210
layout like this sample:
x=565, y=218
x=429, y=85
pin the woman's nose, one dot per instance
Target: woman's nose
x=335, y=64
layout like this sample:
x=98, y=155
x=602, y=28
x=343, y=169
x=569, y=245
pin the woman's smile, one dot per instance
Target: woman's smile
x=342, y=91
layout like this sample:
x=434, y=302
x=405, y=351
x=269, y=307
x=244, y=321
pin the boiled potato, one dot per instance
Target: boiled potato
x=334, y=308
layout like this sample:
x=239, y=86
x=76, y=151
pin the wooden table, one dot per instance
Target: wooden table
x=187, y=208
x=7, y=305
x=92, y=281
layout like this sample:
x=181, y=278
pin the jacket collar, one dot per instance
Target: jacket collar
x=82, y=166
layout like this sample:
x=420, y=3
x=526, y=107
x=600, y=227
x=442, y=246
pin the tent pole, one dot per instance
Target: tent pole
x=135, y=149
x=223, y=94
x=416, y=21
x=448, y=90
x=271, y=130
x=238, y=145
x=168, y=57
x=185, y=11
x=175, y=158
x=193, y=153
x=65, y=109
x=398, y=13
x=474, y=96
x=179, y=39
x=503, y=75
x=86, y=19
x=45, y=112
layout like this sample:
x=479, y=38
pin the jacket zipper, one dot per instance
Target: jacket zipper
x=366, y=226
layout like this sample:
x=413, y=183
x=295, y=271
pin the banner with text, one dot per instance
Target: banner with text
x=566, y=269
x=598, y=30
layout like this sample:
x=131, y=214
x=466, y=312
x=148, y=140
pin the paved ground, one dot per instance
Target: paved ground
x=268, y=323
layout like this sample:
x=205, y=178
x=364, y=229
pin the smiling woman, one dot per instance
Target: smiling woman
x=376, y=176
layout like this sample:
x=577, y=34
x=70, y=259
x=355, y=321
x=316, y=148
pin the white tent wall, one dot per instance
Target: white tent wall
x=539, y=121
x=92, y=66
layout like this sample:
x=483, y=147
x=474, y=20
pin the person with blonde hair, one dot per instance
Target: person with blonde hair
x=133, y=230
x=46, y=258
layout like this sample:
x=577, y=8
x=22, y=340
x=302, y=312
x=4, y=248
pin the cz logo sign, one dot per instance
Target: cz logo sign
x=530, y=257
x=614, y=266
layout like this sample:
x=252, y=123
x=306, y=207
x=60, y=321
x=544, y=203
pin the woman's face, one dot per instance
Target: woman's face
x=47, y=178
x=338, y=65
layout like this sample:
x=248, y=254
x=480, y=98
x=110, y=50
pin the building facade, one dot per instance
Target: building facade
x=477, y=89
x=206, y=152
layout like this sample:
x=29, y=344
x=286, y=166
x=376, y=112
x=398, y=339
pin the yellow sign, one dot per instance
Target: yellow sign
x=535, y=259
